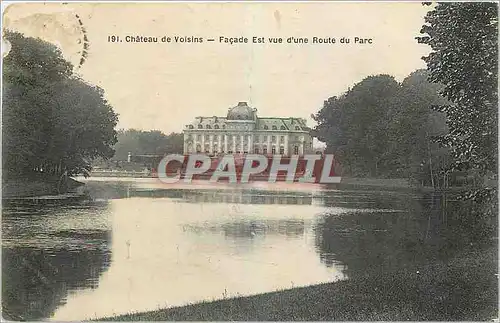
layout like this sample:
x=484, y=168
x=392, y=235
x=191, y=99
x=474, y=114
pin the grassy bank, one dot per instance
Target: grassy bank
x=463, y=288
x=37, y=186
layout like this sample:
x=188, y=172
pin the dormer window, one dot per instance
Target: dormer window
x=297, y=128
x=200, y=126
x=282, y=127
x=209, y=127
x=275, y=128
x=223, y=126
x=191, y=126
x=216, y=127
x=266, y=127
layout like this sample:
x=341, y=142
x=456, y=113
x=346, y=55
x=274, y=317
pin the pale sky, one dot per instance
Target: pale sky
x=166, y=85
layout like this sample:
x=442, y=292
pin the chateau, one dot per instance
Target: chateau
x=242, y=131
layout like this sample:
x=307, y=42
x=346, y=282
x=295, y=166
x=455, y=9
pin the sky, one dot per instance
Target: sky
x=164, y=86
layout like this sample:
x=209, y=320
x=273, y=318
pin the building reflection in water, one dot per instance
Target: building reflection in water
x=246, y=197
x=236, y=195
x=252, y=228
x=48, y=252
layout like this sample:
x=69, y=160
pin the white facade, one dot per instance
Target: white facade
x=241, y=131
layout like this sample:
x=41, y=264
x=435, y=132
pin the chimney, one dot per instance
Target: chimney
x=242, y=104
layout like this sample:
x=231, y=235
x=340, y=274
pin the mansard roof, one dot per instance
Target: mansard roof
x=244, y=113
x=291, y=124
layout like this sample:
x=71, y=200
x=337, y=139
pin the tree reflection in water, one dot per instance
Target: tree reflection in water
x=39, y=271
x=433, y=254
x=418, y=231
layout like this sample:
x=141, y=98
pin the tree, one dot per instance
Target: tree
x=464, y=58
x=354, y=125
x=53, y=122
x=412, y=130
x=153, y=142
x=381, y=128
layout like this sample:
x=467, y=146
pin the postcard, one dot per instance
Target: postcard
x=249, y=161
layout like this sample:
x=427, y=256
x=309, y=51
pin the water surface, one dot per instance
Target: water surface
x=138, y=245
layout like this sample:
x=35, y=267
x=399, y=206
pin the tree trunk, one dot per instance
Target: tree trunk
x=430, y=160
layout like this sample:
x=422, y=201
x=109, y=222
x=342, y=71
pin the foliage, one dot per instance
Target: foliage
x=153, y=142
x=412, y=129
x=381, y=128
x=354, y=124
x=464, y=58
x=53, y=121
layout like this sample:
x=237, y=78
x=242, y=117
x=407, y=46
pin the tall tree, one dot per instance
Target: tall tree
x=381, y=128
x=354, y=125
x=464, y=58
x=53, y=122
x=413, y=127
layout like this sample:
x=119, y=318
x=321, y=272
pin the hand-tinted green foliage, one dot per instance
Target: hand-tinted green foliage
x=53, y=121
x=153, y=142
x=412, y=130
x=464, y=58
x=381, y=128
x=354, y=125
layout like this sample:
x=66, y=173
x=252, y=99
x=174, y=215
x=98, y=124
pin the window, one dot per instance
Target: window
x=246, y=137
x=237, y=137
x=216, y=137
x=265, y=139
x=191, y=126
x=282, y=139
x=223, y=126
x=256, y=150
x=198, y=148
x=229, y=151
x=198, y=137
x=209, y=127
x=207, y=137
x=296, y=137
x=215, y=148
x=245, y=152
x=216, y=127
x=295, y=150
x=282, y=150
x=297, y=128
x=282, y=128
x=273, y=138
x=264, y=150
x=273, y=150
x=275, y=128
x=266, y=127
x=200, y=126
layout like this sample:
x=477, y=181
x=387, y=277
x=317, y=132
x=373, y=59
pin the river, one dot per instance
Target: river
x=139, y=245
